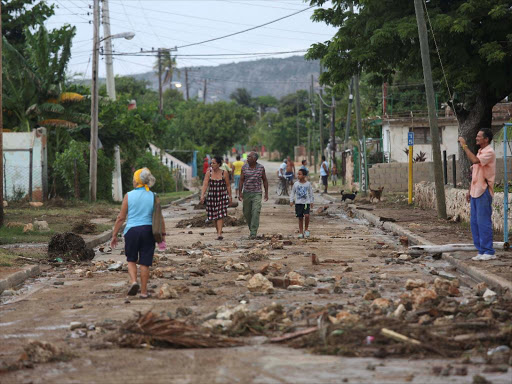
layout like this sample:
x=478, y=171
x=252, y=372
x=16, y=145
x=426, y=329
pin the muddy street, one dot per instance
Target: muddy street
x=340, y=288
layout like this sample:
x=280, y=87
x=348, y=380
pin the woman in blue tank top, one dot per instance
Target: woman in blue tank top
x=137, y=210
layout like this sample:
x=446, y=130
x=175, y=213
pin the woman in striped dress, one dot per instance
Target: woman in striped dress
x=217, y=183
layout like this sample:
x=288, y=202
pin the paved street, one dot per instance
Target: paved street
x=357, y=253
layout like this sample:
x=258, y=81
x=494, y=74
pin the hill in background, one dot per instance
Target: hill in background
x=275, y=77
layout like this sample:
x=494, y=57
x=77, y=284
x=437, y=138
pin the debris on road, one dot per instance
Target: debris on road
x=84, y=227
x=151, y=330
x=260, y=284
x=69, y=247
x=200, y=222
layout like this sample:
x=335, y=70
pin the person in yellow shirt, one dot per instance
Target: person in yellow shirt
x=236, y=166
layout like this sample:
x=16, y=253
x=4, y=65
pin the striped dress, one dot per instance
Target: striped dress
x=253, y=178
x=217, y=200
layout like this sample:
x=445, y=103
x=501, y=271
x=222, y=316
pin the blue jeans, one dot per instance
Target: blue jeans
x=481, y=223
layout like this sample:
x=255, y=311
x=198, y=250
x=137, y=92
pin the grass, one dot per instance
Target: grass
x=167, y=198
x=9, y=257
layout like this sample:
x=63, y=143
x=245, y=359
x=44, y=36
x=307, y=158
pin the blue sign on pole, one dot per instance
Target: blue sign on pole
x=410, y=138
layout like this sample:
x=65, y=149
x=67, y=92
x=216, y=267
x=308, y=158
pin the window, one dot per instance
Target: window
x=422, y=135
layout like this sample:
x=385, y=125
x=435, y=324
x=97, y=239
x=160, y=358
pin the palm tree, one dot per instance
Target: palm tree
x=168, y=66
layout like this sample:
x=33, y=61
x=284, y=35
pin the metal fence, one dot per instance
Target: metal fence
x=22, y=179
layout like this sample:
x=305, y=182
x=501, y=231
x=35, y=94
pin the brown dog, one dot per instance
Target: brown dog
x=376, y=194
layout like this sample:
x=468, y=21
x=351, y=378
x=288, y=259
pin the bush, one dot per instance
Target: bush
x=164, y=180
x=75, y=160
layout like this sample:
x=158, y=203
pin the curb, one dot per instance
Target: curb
x=179, y=201
x=19, y=277
x=477, y=274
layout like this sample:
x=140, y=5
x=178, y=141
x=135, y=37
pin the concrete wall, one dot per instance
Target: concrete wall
x=17, y=146
x=393, y=176
x=425, y=197
x=173, y=163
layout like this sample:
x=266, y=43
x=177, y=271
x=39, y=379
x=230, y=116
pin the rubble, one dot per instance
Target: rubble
x=149, y=329
x=295, y=278
x=166, y=292
x=43, y=352
x=446, y=288
x=259, y=283
x=69, y=247
x=255, y=255
x=200, y=222
x=371, y=295
x=410, y=284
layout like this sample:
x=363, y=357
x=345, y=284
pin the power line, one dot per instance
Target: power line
x=135, y=54
x=246, y=30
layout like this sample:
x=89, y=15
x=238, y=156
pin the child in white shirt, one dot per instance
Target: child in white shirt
x=302, y=197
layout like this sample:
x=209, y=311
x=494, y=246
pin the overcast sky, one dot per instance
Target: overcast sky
x=170, y=23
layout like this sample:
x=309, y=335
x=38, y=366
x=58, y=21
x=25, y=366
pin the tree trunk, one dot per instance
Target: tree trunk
x=470, y=122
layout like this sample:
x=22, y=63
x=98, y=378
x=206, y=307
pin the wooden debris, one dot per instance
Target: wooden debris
x=398, y=337
x=293, y=335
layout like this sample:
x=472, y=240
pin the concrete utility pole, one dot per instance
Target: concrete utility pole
x=432, y=116
x=333, y=127
x=297, y=107
x=111, y=88
x=186, y=84
x=117, y=184
x=311, y=127
x=204, y=91
x=1, y=133
x=160, y=93
x=321, y=119
x=93, y=161
x=349, y=112
x=360, y=137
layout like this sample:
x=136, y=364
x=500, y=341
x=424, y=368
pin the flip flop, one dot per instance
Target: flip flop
x=147, y=296
x=134, y=289
x=220, y=238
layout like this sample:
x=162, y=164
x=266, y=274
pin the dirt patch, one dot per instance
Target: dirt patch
x=83, y=227
x=69, y=247
x=200, y=222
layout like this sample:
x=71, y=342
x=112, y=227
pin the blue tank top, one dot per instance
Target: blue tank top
x=140, y=208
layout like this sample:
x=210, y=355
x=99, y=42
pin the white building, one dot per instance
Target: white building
x=395, y=130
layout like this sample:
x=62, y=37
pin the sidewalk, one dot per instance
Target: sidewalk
x=426, y=224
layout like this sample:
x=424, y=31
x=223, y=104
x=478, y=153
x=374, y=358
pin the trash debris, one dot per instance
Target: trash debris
x=149, y=329
x=200, y=222
x=255, y=255
x=83, y=227
x=115, y=266
x=43, y=352
x=410, y=284
x=489, y=295
x=69, y=247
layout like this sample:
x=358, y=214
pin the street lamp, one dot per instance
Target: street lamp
x=177, y=84
x=122, y=35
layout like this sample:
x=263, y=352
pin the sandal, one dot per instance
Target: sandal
x=134, y=289
x=146, y=296
x=220, y=238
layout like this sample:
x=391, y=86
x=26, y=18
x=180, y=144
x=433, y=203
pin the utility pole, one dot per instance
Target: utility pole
x=432, y=115
x=1, y=132
x=204, y=91
x=312, y=125
x=111, y=88
x=349, y=113
x=160, y=93
x=297, y=107
x=186, y=84
x=333, y=127
x=321, y=119
x=93, y=161
x=360, y=138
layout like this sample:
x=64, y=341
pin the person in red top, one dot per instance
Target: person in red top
x=206, y=165
x=481, y=192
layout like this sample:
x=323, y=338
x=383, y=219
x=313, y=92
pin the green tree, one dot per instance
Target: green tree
x=381, y=38
x=241, y=96
x=17, y=15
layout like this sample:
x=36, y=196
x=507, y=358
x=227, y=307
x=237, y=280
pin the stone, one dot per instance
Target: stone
x=295, y=278
x=347, y=269
x=166, y=292
x=226, y=313
x=195, y=271
x=58, y=283
x=404, y=240
x=296, y=288
x=41, y=226
x=489, y=295
x=28, y=228
x=310, y=282
x=405, y=257
x=210, y=292
x=381, y=303
x=8, y=292
x=88, y=274
x=383, y=276
x=422, y=296
x=260, y=284
x=243, y=277
x=399, y=311
x=76, y=324
x=410, y=284
x=217, y=323
x=371, y=295
x=183, y=311
x=446, y=275
x=323, y=291
x=445, y=287
x=480, y=288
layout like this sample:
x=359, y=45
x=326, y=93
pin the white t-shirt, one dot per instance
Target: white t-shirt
x=282, y=169
x=324, y=172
